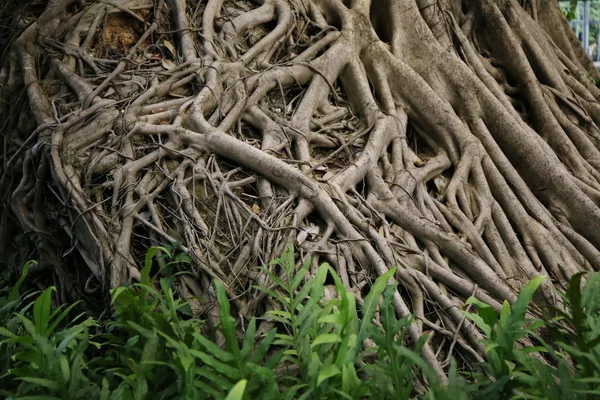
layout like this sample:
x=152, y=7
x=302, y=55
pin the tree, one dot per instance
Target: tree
x=457, y=140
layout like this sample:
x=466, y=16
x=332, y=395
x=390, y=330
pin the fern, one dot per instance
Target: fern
x=152, y=347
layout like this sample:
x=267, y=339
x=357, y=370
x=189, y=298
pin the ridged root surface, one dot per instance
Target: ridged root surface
x=456, y=139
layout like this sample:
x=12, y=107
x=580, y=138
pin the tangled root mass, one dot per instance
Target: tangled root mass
x=455, y=139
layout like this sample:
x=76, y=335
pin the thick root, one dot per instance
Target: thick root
x=457, y=140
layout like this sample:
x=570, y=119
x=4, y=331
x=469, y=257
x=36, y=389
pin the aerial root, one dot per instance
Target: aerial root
x=294, y=122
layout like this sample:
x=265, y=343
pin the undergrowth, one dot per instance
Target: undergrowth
x=152, y=348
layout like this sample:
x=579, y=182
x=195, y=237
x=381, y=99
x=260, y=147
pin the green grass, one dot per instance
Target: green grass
x=152, y=348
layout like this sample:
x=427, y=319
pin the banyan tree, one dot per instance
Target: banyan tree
x=457, y=140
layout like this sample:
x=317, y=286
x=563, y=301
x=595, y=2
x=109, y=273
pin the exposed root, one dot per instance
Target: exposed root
x=455, y=140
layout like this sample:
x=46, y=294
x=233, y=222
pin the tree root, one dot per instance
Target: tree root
x=459, y=142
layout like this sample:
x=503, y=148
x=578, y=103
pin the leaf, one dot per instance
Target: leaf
x=41, y=310
x=326, y=338
x=105, y=393
x=65, y=342
x=284, y=315
x=479, y=322
x=217, y=379
x=350, y=379
x=288, y=260
x=574, y=296
x=248, y=343
x=237, y=393
x=573, y=7
x=590, y=297
x=302, y=235
x=6, y=332
x=369, y=306
x=486, y=312
x=209, y=389
x=491, y=346
x=64, y=368
x=328, y=371
x=169, y=47
x=263, y=347
x=274, y=295
x=227, y=321
x=217, y=365
x=300, y=275
x=150, y=255
x=150, y=349
x=336, y=319
x=256, y=209
x=182, y=258
x=519, y=308
x=58, y=319
x=212, y=348
x=168, y=64
x=14, y=292
x=505, y=313
x=47, y=383
x=116, y=293
x=141, y=387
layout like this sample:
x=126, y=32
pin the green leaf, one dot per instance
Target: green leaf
x=519, y=308
x=147, y=288
x=289, y=261
x=105, y=392
x=150, y=349
x=216, y=379
x=141, y=387
x=336, y=319
x=150, y=255
x=31, y=357
x=477, y=320
x=209, y=389
x=58, y=319
x=369, y=306
x=491, y=346
x=6, y=332
x=326, y=338
x=300, y=275
x=273, y=294
x=212, y=347
x=328, y=371
x=146, y=333
x=248, y=343
x=117, y=292
x=64, y=368
x=217, y=365
x=47, y=383
x=237, y=393
x=590, y=302
x=284, y=315
x=14, y=292
x=572, y=8
x=350, y=379
x=505, y=313
x=574, y=297
x=41, y=310
x=263, y=348
x=486, y=312
x=227, y=321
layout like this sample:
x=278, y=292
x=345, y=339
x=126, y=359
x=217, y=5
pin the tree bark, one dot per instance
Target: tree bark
x=457, y=140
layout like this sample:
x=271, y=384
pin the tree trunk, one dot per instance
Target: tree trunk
x=455, y=139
